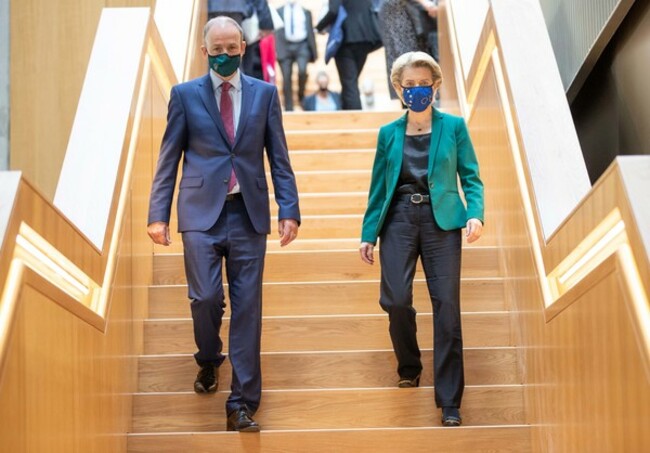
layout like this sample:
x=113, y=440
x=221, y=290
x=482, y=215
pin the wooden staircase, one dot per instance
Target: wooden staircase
x=328, y=367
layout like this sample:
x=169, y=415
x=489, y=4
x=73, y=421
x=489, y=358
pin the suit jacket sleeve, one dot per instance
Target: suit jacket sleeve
x=284, y=180
x=469, y=173
x=330, y=17
x=263, y=14
x=376, y=194
x=173, y=143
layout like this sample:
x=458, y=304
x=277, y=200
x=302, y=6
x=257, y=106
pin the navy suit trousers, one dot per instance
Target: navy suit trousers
x=234, y=239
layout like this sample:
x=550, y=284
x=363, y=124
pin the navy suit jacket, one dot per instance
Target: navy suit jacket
x=196, y=134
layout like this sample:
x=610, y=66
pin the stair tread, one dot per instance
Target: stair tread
x=331, y=265
x=299, y=333
x=326, y=298
x=363, y=369
x=464, y=439
x=328, y=409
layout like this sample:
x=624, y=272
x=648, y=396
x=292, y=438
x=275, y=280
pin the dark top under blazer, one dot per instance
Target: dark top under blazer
x=451, y=156
x=360, y=25
x=196, y=134
x=281, y=39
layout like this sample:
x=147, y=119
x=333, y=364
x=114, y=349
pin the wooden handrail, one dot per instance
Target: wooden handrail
x=40, y=246
x=605, y=228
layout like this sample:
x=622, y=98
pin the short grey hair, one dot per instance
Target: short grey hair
x=221, y=21
x=415, y=60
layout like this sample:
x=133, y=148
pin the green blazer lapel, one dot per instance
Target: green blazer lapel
x=436, y=133
x=396, y=151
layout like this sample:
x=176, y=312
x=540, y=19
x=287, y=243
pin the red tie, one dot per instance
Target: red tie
x=225, y=106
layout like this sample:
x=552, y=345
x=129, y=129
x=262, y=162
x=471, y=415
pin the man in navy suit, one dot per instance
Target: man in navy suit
x=219, y=125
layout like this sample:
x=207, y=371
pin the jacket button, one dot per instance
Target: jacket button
x=430, y=185
x=232, y=155
x=225, y=181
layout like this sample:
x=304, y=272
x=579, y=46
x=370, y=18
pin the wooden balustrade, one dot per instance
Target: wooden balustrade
x=73, y=295
x=580, y=281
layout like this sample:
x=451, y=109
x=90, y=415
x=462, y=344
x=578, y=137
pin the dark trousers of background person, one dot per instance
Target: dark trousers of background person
x=232, y=237
x=252, y=61
x=410, y=231
x=350, y=59
x=297, y=52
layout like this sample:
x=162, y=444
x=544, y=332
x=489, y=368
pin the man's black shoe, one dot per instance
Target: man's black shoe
x=240, y=420
x=207, y=380
x=451, y=416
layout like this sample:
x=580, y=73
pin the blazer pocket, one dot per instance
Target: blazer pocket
x=191, y=181
x=261, y=183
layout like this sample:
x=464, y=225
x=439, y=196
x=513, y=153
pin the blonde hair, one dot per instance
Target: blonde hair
x=415, y=60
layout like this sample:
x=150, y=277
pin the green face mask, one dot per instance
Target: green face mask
x=223, y=64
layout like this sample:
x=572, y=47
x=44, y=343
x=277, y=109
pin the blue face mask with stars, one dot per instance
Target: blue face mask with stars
x=418, y=99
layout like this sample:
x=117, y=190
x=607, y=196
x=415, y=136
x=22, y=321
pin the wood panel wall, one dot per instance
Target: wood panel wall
x=50, y=48
x=586, y=386
x=66, y=387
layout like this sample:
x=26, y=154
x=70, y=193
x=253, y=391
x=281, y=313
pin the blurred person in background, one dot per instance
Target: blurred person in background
x=295, y=43
x=361, y=36
x=323, y=100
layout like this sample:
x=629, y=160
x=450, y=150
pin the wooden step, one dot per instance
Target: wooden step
x=330, y=265
x=338, y=227
x=340, y=139
x=328, y=409
x=338, y=120
x=466, y=439
x=335, y=159
x=328, y=333
x=333, y=180
x=328, y=370
x=332, y=298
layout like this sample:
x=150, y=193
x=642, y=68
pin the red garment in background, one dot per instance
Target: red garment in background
x=267, y=56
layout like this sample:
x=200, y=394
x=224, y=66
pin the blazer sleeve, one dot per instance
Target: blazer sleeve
x=263, y=14
x=468, y=171
x=173, y=143
x=284, y=180
x=376, y=194
x=330, y=17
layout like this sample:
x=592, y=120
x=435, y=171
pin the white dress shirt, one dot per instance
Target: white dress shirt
x=299, y=22
x=235, y=94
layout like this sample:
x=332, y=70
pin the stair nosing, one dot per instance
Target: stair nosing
x=334, y=389
x=330, y=316
x=332, y=282
x=288, y=431
x=346, y=351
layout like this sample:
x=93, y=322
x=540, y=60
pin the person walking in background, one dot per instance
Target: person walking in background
x=405, y=27
x=361, y=36
x=295, y=43
x=415, y=209
x=220, y=125
x=323, y=100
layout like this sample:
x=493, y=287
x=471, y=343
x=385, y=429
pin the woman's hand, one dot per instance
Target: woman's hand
x=366, y=252
x=474, y=230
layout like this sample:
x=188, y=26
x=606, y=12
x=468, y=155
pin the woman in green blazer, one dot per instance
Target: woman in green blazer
x=416, y=210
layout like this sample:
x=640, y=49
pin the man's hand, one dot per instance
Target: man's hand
x=288, y=231
x=474, y=230
x=159, y=233
x=366, y=251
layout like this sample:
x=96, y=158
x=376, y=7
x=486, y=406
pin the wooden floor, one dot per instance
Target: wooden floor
x=328, y=367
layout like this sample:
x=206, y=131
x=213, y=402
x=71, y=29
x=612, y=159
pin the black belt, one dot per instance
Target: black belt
x=416, y=198
x=233, y=196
